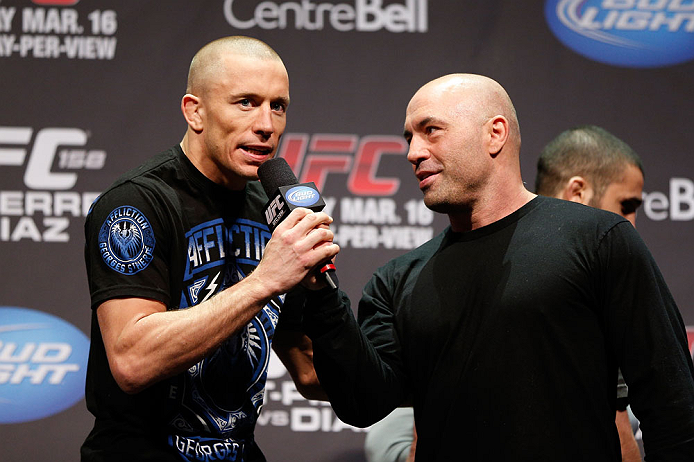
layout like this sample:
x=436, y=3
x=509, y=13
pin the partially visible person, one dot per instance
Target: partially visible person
x=515, y=318
x=393, y=439
x=591, y=166
x=187, y=288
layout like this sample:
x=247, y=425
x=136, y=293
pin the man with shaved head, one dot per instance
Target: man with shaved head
x=184, y=310
x=506, y=331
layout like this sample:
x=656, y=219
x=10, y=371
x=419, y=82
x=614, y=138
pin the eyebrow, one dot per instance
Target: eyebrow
x=283, y=100
x=425, y=121
x=250, y=95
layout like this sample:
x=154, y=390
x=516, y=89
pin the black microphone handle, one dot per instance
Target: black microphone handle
x=329, y=274
x=276, y=172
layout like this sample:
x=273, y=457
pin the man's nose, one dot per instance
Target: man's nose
x=417, y=151
x=263, y=123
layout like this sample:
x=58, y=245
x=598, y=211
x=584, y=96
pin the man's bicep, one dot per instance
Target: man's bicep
x=118, y=315
x=128, y=246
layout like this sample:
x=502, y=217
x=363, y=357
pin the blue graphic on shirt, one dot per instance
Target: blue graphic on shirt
x=194, y=289
x=224, y=392
x=209, y=244
x=206, y=449
x=126, y=240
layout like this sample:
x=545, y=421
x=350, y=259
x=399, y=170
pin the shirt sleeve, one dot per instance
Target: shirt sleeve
x=292, y=310
x=126, y=246
x=648, y=340
x=360, y=368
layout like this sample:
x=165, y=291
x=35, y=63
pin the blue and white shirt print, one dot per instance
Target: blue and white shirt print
x=126, y=240
x=224, y=392
x=219, y=397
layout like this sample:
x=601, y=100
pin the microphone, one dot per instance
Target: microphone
x=285, y=193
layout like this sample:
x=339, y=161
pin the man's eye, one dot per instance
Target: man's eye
x=279, y=107
x=629, y=207
x=430, y=130
x=245, y=102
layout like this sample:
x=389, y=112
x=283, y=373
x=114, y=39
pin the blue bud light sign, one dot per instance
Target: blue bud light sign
x=302, y=196
x=43, y=364
x=626, y=33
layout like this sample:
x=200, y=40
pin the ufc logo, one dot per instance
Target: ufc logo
x=313, y=158
x=275, y=206
x=14, y=147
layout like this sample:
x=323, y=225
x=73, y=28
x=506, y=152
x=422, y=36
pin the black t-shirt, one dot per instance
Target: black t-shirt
x=507, y=339
x=165, y=232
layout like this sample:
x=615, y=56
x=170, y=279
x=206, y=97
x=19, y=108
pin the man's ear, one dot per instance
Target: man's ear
x=498, y=134
x=577, y=189
x=191, y=107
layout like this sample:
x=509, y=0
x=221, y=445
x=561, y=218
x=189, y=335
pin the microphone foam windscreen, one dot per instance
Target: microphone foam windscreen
x=274, y=173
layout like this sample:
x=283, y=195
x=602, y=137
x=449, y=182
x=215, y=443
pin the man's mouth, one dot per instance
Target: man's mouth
x=257, y=150
x=425, y=177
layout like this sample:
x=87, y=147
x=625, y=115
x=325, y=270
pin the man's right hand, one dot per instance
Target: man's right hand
x=298, y=245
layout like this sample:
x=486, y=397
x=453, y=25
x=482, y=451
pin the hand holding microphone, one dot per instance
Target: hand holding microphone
x=285, y=194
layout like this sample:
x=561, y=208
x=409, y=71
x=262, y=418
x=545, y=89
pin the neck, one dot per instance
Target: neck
x=488, y=209
x=188, y=148
x=205, y=165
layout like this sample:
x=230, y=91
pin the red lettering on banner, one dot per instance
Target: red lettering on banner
x=333, y=143
x=363, y=179
x=293, y=149
x=333, y=153
x=318, y=166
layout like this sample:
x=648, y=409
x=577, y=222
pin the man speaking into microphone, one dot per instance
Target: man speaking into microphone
x=286, y=194
x=184, y=310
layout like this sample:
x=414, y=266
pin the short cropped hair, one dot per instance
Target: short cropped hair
x=588, y=151
x=207, y=61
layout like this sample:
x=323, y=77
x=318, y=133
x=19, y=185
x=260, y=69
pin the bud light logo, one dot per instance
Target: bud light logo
x=43, y=364
x=302, y=196
x=628, y=33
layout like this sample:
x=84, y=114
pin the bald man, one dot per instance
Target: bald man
x=184, y=310
x=506, y=331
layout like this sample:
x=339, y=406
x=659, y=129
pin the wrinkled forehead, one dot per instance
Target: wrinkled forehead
x=440, y=101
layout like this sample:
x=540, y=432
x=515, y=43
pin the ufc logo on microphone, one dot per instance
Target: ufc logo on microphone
x=273, y=210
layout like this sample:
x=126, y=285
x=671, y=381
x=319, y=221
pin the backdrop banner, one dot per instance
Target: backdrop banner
x=92, y=88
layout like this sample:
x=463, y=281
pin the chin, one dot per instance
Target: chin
x=252, y=176
x=439, y=206
x=445, y=206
